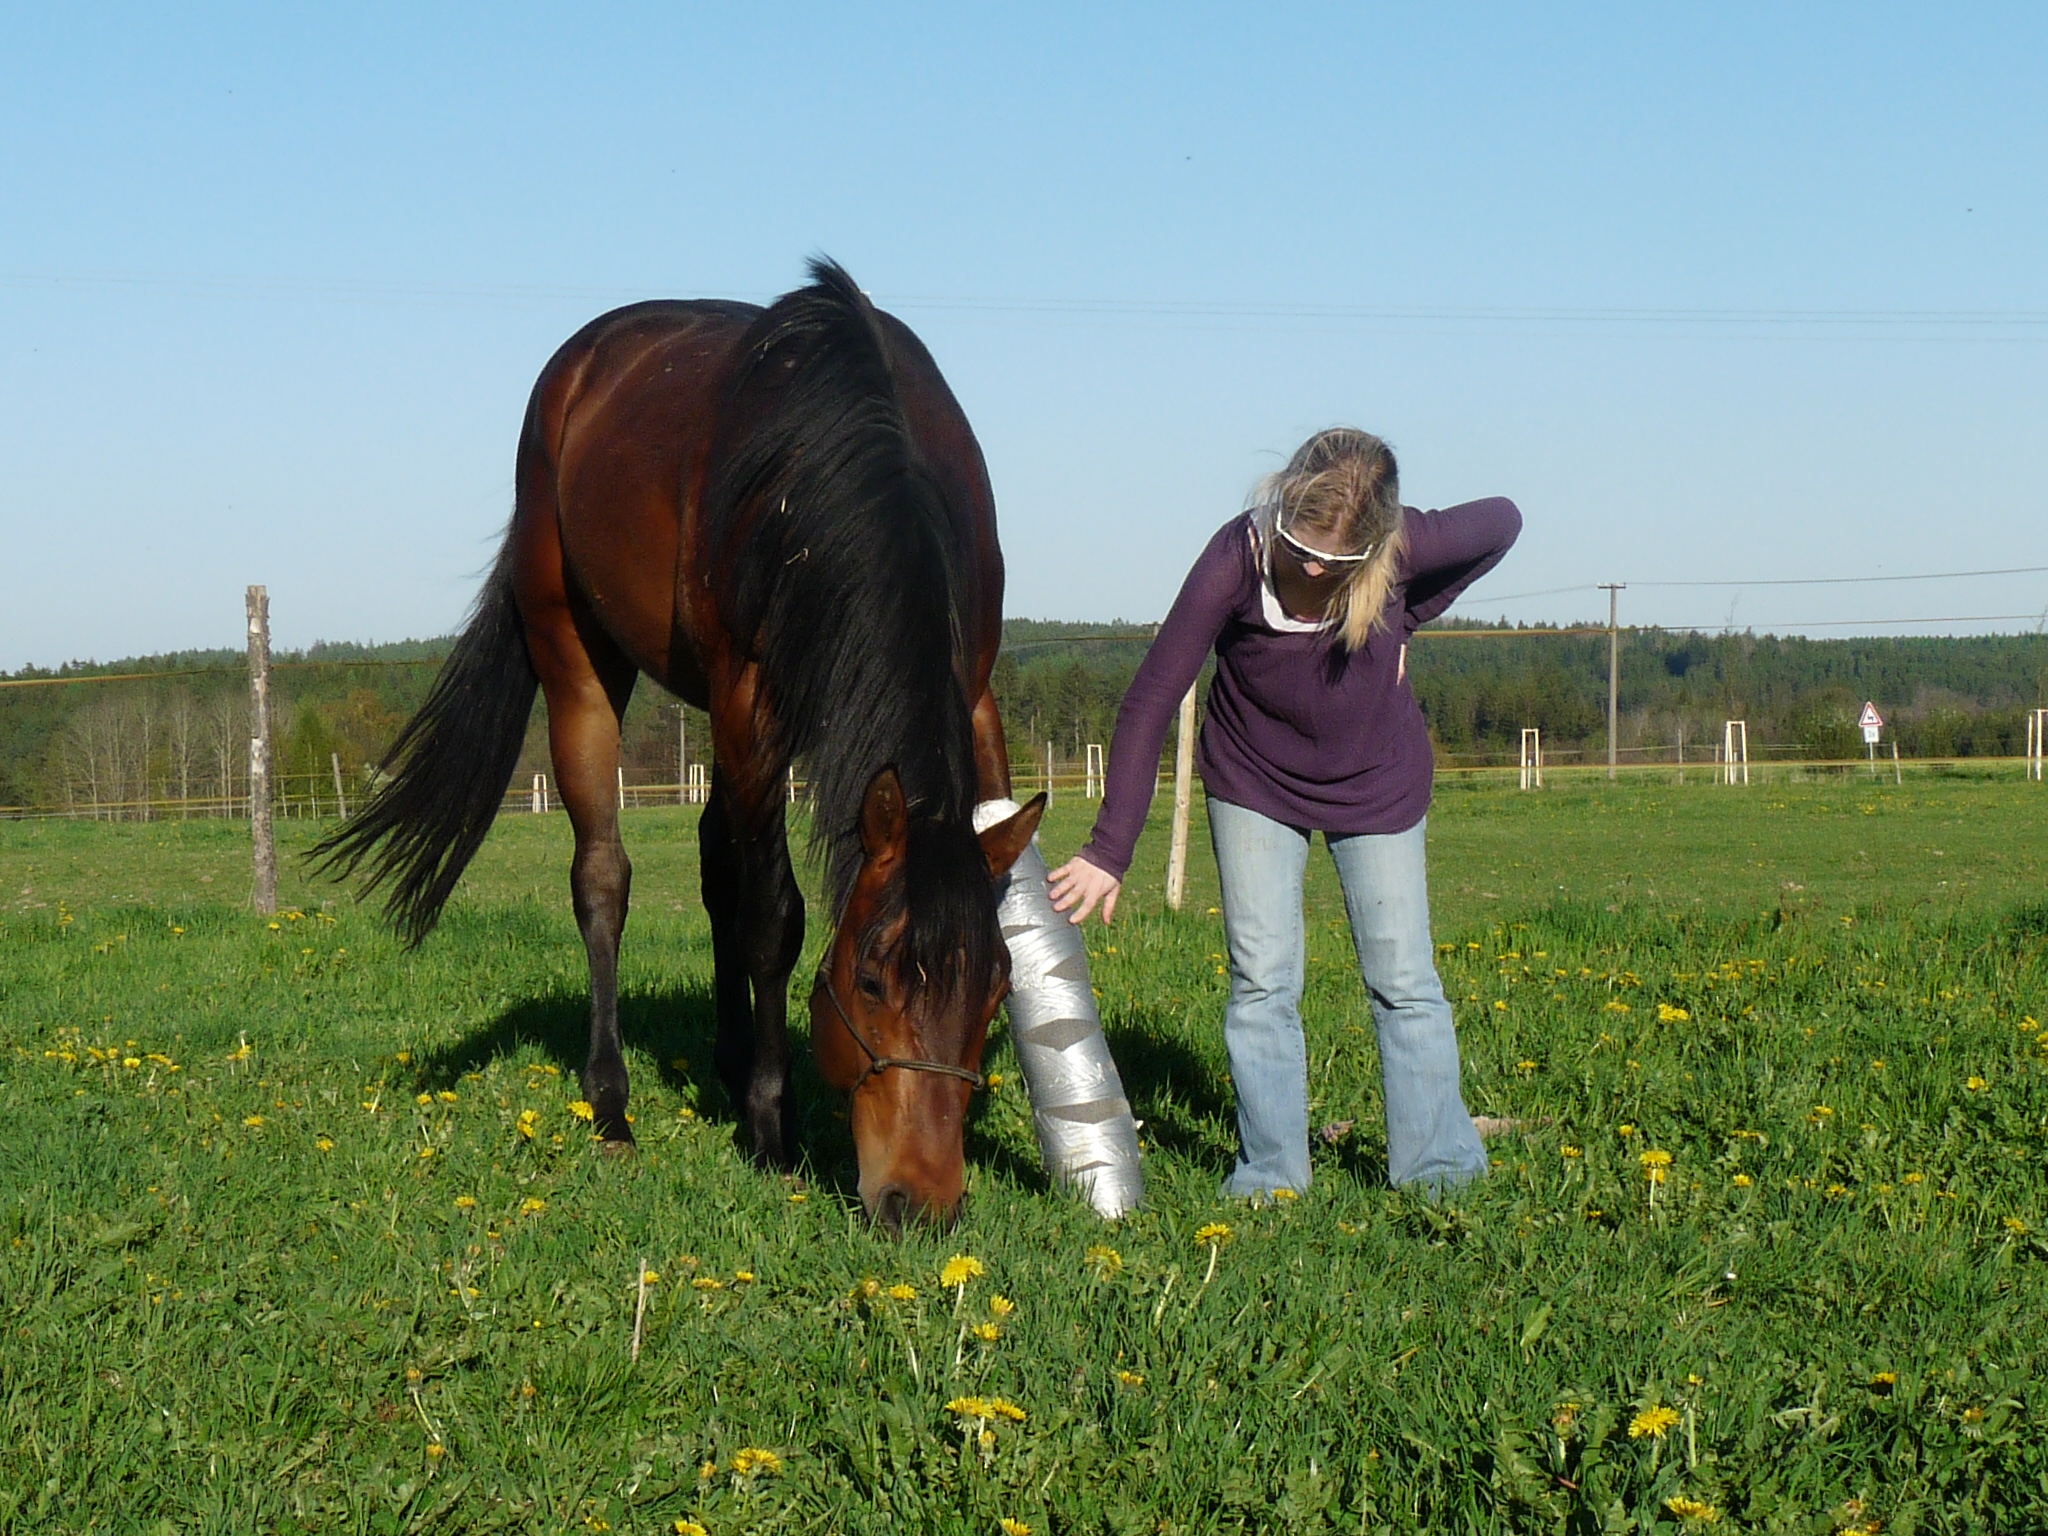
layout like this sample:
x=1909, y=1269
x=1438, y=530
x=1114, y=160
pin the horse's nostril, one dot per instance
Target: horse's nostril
x=891, y=1208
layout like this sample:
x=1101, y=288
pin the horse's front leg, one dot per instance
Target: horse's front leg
x=757, y=934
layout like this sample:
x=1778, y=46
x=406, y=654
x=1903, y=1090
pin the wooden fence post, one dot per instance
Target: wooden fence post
x=1183, y=795
x=261, y=833
x=340, y=798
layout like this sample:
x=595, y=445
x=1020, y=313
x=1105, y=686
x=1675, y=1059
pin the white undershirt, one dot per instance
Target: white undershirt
x=1276, y=616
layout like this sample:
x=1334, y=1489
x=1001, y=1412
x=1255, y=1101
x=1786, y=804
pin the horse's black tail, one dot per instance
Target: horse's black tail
x=447, y=771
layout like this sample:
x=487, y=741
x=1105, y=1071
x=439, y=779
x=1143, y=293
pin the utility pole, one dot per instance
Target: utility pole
x=1613, y=589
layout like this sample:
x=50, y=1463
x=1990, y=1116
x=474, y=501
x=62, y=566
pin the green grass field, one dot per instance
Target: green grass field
x=279, y=1252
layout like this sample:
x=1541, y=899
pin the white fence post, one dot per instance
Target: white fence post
x=1094, y=790
x=1183, y=799
x=2037, y=743
x=1532, y=757
x=1735, y=752
x=261, y=833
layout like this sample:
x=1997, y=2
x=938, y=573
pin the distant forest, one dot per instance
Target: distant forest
x=181, y=732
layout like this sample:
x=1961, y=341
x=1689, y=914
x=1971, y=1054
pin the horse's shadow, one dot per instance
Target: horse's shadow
x=1181, y=1098
x=675, y=1027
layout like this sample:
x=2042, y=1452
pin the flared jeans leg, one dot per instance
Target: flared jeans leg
x=1261, y=863
x=1431, y=1140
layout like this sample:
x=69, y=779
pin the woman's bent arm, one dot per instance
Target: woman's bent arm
x=1451, y=549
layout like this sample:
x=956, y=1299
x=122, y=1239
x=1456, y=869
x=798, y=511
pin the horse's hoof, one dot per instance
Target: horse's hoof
x=620, y=1146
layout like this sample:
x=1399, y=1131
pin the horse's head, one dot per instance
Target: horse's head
x=903, y=999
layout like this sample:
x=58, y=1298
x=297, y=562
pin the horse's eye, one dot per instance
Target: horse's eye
x=870, y=984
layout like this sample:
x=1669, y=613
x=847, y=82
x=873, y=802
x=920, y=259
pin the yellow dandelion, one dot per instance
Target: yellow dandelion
x=995, y=1081
x=425, y=1098
x=252, y=1121
x=1525, y=1066
x=325, y=1144
x=131, y=1062
x=465, y=1202
x=1914, y=1178
x=867, y=1290
x=706, y=1283
x=1692, y=1509
x=1742, y=1181
x=2015, y=1226
x=437, y=1450
x=743, y=1276
x=1214, y=1235
x=532, y=1205
x=1103, y=1261
x=988, y=1333
x=1666, y=1014
x=1624, y=1130
x=1652, y=1423
x=581, y=1109
x=1011, y=1527
x=960, y=1269
x=1976, y=1085
x=969, y=1407
x=447, y=1097
x=1571, y=1151
x=1617, y=1006
x=1001, y=1306
x=903, y=1293
x=1003, y=1408
x=1130, y=1379
x=1655, y=1157
x=687, y=1528
x=425, y=1153
x=1884, y=1381
x=753, y=1461
x=650, y=1277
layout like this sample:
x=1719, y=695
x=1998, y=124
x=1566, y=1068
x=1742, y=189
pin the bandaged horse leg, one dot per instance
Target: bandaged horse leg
x=1085, y=1129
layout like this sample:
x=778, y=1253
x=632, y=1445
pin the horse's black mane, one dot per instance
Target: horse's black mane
x=845, y=584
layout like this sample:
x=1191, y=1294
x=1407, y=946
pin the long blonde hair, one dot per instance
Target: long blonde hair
x=1343, y=485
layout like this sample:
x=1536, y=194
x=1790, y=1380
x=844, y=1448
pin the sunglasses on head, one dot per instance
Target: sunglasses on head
x=1307, y=552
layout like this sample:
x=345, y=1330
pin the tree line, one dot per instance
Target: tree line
x=132, y=748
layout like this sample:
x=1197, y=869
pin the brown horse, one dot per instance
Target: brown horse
x=781, y=516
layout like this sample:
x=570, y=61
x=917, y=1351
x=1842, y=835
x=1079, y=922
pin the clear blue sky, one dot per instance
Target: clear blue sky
x=1713, y=292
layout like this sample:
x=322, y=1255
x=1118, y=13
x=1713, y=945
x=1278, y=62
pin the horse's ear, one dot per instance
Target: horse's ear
x=883, y=822
x=1003, y=842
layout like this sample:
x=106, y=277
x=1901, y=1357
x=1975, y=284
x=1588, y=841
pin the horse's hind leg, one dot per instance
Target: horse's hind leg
x=587, y=682
x=757, y=933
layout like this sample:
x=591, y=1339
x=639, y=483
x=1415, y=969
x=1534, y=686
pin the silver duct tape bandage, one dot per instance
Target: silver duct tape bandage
x=1085, y=1129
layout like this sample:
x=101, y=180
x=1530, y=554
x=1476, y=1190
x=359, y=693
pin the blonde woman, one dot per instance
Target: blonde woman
x=1308, y=600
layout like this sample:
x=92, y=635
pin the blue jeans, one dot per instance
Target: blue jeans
x=1431, y=1140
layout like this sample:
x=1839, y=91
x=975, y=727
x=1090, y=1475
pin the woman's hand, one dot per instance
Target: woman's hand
x=1079, y=881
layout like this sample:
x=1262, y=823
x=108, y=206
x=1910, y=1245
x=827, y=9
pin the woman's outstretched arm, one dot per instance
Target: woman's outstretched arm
x=1207, y=597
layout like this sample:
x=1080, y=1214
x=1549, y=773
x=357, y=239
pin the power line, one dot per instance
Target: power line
x=1833, y=581
x=1481, y=599
x=2032, y=324
x=1777, y=624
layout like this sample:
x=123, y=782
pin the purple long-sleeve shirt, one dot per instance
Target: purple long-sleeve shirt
x=1298, y=728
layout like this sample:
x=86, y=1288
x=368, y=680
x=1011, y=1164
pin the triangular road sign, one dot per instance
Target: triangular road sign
x=1871, y=719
